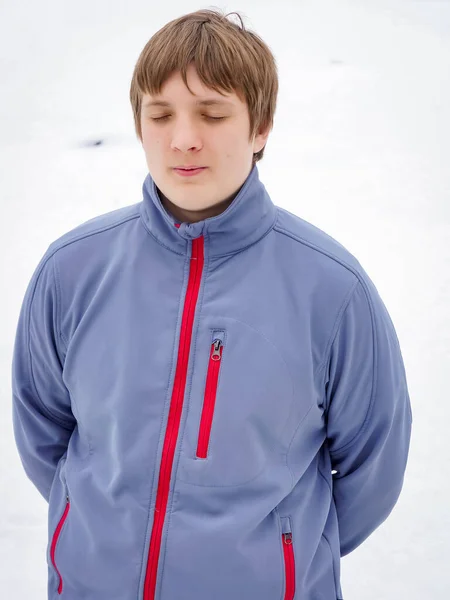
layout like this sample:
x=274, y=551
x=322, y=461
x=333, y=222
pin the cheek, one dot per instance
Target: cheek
x=146, y=130
x=235, y=139
x=144, y=135
x=150, y=141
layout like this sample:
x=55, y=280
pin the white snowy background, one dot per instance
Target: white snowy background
x=360, y=148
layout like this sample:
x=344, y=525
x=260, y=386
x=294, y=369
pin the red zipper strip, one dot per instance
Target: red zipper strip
x=173, y=423
x=209, y=401
x=289, y=566
x=55, y=541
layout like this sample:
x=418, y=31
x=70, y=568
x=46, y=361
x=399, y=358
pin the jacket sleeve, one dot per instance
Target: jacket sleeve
x=369, y=417
x=41, y=410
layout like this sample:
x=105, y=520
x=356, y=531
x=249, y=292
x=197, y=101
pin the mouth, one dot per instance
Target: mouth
x=189, y=172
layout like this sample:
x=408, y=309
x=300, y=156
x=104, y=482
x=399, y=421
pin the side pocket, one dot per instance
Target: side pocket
x=209, y=399
x=55, y=539
x=289, y=558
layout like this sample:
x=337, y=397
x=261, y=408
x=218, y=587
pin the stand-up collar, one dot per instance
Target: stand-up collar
x=247, y=219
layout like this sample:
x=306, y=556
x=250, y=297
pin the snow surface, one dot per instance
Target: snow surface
x=360, y=148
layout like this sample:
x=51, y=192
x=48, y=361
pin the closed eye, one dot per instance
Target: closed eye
x=206, y=116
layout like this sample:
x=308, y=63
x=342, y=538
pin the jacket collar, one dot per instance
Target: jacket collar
x=247, y=219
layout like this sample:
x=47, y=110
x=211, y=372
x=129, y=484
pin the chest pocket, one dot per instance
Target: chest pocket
x=238, y=406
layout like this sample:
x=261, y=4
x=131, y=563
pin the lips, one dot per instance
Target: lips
x=183, y=172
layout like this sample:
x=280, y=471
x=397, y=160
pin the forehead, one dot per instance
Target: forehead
x=149, y=101
x=197, y=94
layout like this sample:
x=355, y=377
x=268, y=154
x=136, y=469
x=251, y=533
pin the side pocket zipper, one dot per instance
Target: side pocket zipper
x=209, y=400
x=289, y=559
x=55, y=541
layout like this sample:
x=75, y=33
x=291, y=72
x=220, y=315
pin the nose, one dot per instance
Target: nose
x=185, y=136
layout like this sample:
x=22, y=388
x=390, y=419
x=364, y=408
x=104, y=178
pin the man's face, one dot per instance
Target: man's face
x=190, y=136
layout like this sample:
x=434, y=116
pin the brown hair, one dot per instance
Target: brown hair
x=226, y=57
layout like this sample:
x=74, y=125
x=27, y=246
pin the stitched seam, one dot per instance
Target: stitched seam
x=61, y=337
x=314, y=247
x=337, y=324
x=58, y=306
x=319, y=470
x=46, y=410
x=332, y=561
x=374, y=383
x=335, y=329
x=325, y=478
x=313, y=404
x=82, y=236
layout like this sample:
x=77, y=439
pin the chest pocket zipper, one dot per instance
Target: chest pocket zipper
x=209, y=399
x=55, y=541
x=289, y=559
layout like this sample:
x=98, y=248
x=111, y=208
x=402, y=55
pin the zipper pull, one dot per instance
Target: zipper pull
x=287, y=538
x=216, y=354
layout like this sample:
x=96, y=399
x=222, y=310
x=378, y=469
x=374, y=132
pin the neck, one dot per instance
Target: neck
x=183, y=215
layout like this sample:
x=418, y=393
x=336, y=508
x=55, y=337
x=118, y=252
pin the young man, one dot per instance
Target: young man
x=207, y=389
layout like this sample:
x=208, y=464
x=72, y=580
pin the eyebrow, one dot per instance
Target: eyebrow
x=208, y=102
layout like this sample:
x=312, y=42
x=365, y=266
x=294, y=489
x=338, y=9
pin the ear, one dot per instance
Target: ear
x=260, y=140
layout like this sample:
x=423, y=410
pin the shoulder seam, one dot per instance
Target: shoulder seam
x=99, y=230
x=314, y=247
